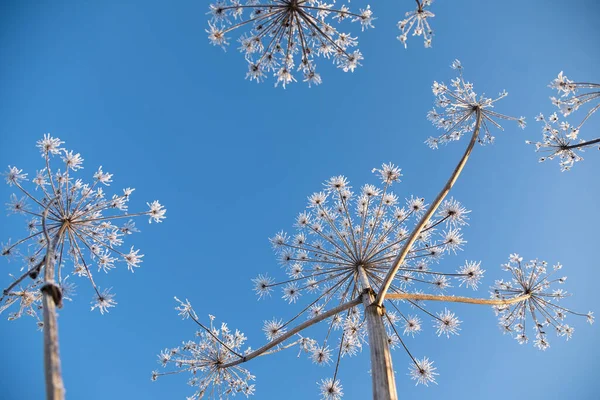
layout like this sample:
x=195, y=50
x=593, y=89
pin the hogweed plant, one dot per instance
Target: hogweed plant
x=561, y=139
x=337, y=261
x=69, y=223
x=365, y=263
x=282, y=37
x=416, y=21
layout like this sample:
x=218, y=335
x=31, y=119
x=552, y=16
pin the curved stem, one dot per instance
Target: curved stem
x=456, y=299
x=294, y=331
x=425, y=219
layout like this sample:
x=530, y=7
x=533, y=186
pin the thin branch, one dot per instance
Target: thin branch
x=584, y=144
x=294, y=331
x=456, y=299
x=193, y=317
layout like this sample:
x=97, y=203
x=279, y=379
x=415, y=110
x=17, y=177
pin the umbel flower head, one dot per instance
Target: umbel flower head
x=561, y=139
x=285, y=36
x=86, y=227
x=331, y=389
x=540, y=312
x=416, y=21
x=458, y=110
x=206, y=358
x=343, y=235
x=571, y=97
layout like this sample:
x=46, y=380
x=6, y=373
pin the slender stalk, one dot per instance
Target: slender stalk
x=456, y=299
x=294, y=331
x=51, y=298
x=432, y=209
x=382, y=371
x=210, y=332
x=584, y=144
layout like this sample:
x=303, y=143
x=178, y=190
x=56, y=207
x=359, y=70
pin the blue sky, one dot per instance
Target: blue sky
x=136, y=87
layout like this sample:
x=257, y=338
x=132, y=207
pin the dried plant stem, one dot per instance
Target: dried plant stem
x=382, y=371
x=54, y=383
x=50, y=299
x=294, y=331
x=432, y=209
x=456, y=299
x=583, y=144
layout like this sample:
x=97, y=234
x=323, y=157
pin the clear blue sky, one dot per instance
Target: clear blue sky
x=135, y=87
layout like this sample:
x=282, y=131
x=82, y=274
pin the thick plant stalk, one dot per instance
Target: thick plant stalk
x=51, y=297
x=382, y=371
x=456, y=299
x=54, y=384
x=432, y=209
